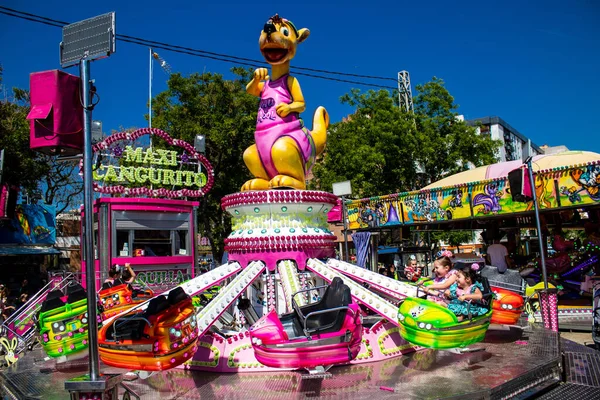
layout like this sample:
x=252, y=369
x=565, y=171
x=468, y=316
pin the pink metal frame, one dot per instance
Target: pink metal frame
x=147, y=205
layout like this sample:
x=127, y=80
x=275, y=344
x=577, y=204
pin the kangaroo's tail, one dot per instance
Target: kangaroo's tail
x=319, y=130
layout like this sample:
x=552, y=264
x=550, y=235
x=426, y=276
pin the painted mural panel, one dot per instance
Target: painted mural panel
x=494, y=198
x=422, y=207
x=579, y=186
x=32, y=224
x=455, y=203
x=374, y=212
x=574, y=186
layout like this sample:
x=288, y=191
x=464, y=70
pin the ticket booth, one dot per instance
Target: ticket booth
x=156, y=236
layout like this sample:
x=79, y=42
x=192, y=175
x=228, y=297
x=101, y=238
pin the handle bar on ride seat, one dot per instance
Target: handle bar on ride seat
x=329, y=310
x=124, y=320
x=295, y=305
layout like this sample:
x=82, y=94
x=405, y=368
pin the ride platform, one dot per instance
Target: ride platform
x=509, y=363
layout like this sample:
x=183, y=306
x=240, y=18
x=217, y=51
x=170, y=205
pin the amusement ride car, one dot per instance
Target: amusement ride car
x=316, y=335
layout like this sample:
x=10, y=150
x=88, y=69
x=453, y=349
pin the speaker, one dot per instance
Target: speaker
x=520, y=187
x=56, y=116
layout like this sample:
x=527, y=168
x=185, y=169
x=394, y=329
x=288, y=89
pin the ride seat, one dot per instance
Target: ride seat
x=336, y=295
x=488, y=294
x=156, y=306
x=133, y=328
x=53, y=300
x=176, y=295
x=75, y=292
x=106, y=285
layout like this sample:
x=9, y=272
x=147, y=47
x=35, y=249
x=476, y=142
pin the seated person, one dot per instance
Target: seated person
x=412, y=271
x=559, y=243
x=466, y=288
x=444, y=277
x=114, y=274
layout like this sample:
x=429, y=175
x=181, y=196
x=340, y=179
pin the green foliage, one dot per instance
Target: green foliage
x=22, y=166
x=383, y=149
x=373, y=148
x=447, y=145
x=225, y=114
x=452, y=238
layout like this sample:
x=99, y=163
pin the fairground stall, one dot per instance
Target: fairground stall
x=156, y=236
x=566, y=188
x=280, y=237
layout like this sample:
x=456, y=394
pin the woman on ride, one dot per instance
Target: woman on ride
x=115, y=273
x=445, y=276
x=467, y=288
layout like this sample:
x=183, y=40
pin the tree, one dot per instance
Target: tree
x=225, y=114
x=62, y=185
x=373, y=148
x=383, y=149
x=39, y=175
x=22, y=166
x=446, y=144
x=453, y=238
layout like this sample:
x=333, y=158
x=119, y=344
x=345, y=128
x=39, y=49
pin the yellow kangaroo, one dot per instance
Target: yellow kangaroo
x=284, y=150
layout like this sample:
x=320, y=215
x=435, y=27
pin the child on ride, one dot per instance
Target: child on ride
x=467, y=288
x=445, y=276
x=412, y=271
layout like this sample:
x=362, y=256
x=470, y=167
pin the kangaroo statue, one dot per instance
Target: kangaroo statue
x=284, y=151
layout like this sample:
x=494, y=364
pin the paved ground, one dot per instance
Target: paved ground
x=584, y=338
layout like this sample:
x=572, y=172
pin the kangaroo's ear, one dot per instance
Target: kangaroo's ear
x=303, y=34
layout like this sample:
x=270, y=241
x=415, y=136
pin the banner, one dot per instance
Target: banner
x=31, y=224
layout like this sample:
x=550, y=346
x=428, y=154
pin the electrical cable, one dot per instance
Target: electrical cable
x=201, y=53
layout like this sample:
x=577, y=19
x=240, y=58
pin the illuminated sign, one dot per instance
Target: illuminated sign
x=121, y=168
x=161, y=278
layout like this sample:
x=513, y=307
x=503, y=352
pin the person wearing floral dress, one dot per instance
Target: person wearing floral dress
x=444, y=277
x=465, y=295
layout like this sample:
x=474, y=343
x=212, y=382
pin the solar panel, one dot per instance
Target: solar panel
x=91, y=39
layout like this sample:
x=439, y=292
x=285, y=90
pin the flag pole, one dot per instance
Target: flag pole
x=150, y=91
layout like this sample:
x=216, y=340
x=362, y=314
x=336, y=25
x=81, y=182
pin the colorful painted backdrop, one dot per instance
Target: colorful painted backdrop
x=561, y=187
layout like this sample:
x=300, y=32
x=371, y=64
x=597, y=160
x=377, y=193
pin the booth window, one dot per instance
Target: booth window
x=181, y=243
x=152, y=243
x=123, y=243
x=143, y=234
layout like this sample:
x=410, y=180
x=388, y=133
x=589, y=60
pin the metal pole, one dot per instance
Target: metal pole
x=537, y=221
x=88, y=220
x=346, y=255
x=150, y=95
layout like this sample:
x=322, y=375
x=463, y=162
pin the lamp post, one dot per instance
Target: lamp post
x=84, y=42
x=343, y=189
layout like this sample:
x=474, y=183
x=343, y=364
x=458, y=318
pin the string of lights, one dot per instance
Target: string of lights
x=207, y=54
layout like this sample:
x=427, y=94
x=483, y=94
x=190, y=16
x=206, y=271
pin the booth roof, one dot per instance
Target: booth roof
x=31, y=250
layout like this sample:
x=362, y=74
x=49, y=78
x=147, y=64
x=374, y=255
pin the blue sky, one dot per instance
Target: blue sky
x=534, y=64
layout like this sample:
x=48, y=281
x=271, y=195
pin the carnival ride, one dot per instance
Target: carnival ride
x=428, y=324
x=276, y=235
x=317, y=335
x=159, y=336
x=119, y=296
x=63, y=323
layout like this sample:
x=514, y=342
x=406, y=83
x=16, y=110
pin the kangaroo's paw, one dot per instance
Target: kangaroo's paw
x=255, y=184
x=284, y=181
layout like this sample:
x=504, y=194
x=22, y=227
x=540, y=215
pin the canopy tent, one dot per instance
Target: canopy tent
x=542, y=162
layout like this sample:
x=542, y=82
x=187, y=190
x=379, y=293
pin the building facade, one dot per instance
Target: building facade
x=514, y=143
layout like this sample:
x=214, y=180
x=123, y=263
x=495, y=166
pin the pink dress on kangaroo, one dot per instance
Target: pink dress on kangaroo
x=270, y=126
